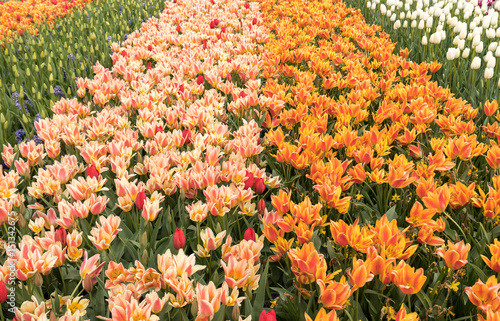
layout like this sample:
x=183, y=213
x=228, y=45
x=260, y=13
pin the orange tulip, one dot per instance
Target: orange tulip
x=419, y=216
x=323, y=316
x=456, y=255
x=439, y=199
x=490, y=108
x=407, y=279
x=494, y=263
x=484, y=295
x=306, y=263
x=333, y=295
x=360, y=273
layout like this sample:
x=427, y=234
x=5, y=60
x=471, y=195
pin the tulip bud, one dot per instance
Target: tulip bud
x=424, y=40
x=139, y=201
x=3, y=292
x=480, y=47
x=249, y=234
x=491, y=62
x=236, y=312
x=488, y=73
x=450, y=55
x=261, y=206
x=466, y=53
x=260, y=186
x=144, y=239
x=267, y=316
x=92, y=172
x=247, y=5
x=145, y=256
x=179, y=239
x=38, y=279
x=200, y=80
x=476, y=63
x=249, y=181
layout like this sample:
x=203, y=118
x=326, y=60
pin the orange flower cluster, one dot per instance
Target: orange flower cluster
x=352, y=116
x=17, y=17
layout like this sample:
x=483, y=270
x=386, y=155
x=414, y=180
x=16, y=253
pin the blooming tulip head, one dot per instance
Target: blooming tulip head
x=179, y=239
x=455, y=256
x=249, y=235
x=139, y=201
x=92, y=172
x=3, y=292
x=260, y=186
x=267, y=316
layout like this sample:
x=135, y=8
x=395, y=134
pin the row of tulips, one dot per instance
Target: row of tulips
x=462, y=35
x=37, y=70
x=19, y=17
x=142, y=202
x=401, y=176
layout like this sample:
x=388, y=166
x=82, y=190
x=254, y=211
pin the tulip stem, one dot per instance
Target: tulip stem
x=357, y=306
x=409, y=302
x=76, y=288
x=1, y=314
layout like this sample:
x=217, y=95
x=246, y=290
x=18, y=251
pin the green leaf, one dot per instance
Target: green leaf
x=391, y=213
x=258, y=303
x=479, y=272
x=424, y=299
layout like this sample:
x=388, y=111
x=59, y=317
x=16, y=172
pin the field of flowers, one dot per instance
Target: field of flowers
x=265, y=160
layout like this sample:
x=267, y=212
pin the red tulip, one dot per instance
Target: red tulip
x=139, y=201
x=247, y=5
x=158, y=129
x=150, y=66
x=61, y=236
x=124, y=53
x=92, y=171
x=229, y=78
x=179, y=239
x=181, y=88
x=216, y=21
x=262, y=206
x=219, y=36
x=267, y=316
x=222, y=29
x=249, y=234
x=204, y=44
x=178, y=28
x=200, y=80
x=150, y=47
x=242, y=94
x=3, y=292
x=260, y=186
x=250, y=180
x=186, y=134
x=254, y=21
x=212, y=24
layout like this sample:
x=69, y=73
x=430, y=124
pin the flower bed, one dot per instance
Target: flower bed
x=36, y=71
x=462, y=35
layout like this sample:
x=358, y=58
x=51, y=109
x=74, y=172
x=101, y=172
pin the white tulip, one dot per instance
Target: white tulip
x=414, y=24
x=488, y=73
x=476, y=41
x=497, y=52
x=383, y=9
x=443, y=35
x=498, y=79
x=402, y=16
x=421, y=25
x=405, y=24
x=374, y=6
x=457, y=53
x=479, y=47
x=457, y=12
x=414, y=15
x=397, y=25
x=407, y=7
x=461, y=44
x=486, y=22
x=491, y=63
x=456, y=40
x=429, y=22
x=472, y=25
x=463, y=32
x=424, y=40
x=490, y=33
x=493, y=46
x=498, y=32
x=450, y=55
x=476, y=63
x=466, y=53
x=368, y=4
x=442, y=18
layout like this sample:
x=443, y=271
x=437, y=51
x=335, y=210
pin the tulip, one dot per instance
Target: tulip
x=249, y=180
x=488, y=73
x=407, y=279
x=490, y=108
x=476, y=63
x=247, y=5
x=494, y=263
x=179, y=239
x=92, y=172
x=139, y=201
x=3, y=292
x=186, y=135
x=456, y=255
x=260, y=186
x=200, y=80
x=267, y=316
x=249, y=234
x=261, y=206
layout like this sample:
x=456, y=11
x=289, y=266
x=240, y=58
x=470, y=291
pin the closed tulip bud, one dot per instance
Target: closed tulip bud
x=450, y=54
x=405, y=24
x=476, y=63
x=260, y=186
x=421, y=25
x=424, y=40
x=249, y=234
x=236, y=312
x=488, y=73
x=200, y=80
x=397, y=25
x=267, y=316
x=179, y=239
x=480, y=47
x=38, y=279
x=383, y=9
x=491, y=62
x=461, y=44
x=368, y=4
x=493, y=46
x=490, y=33
x=144, y=239
x=250, y=180
x=466, y=53
x=145, y=256
x=3, y=292
x=139, y=201
x=393, y=17
x=92, y=172
x=414, y=24
x=261, y=206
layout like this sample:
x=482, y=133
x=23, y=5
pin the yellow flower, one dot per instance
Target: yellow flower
x=358, y=196
x=454, y=286
x=391, y=313
x=395, y=197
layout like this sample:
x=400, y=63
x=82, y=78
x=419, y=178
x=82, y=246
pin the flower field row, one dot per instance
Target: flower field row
x=18, y=17
x=265, y=160
x=462, y=35
x=133, y=207
x=36, y=71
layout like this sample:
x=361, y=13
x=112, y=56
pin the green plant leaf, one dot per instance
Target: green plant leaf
x=258, y=303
